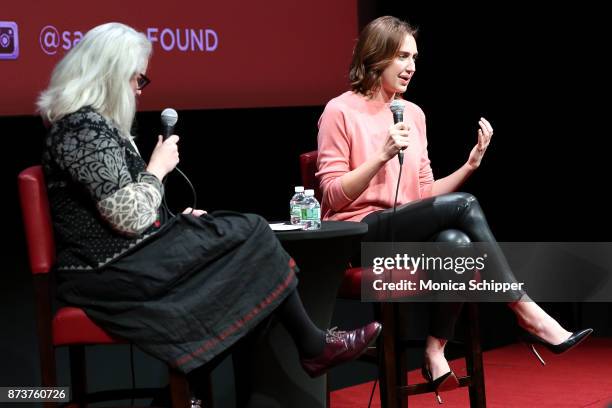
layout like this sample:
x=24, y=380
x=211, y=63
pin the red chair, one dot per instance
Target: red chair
x=70, y=326
x=391, y=349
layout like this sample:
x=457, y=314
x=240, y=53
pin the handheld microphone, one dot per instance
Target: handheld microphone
x=169, y=117
x=397, y=108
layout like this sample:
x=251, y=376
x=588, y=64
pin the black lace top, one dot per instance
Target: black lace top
x=103, y=202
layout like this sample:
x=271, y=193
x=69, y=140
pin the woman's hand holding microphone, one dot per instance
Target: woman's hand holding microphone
x=398, y=138
x=165, y=157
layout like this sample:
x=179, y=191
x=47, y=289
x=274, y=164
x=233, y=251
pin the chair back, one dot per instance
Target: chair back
x=37, y=219
x=308, y=169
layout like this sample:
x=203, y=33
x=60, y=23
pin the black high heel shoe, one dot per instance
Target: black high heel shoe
x=573, y=340
x=445, y=382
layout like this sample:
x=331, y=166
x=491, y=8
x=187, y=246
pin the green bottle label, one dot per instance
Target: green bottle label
x=311, y=214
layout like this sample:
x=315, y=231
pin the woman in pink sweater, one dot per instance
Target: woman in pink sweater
x=358, y=171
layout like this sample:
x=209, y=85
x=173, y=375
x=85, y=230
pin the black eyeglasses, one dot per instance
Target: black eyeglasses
x=142, y=81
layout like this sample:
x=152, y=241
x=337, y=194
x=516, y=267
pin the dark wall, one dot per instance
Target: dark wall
x=535, y=75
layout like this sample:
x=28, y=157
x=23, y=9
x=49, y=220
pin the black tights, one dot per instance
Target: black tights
x=454, y=217
x=308, y=338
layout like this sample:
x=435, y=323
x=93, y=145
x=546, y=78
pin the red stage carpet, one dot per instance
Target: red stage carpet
x=514, y=378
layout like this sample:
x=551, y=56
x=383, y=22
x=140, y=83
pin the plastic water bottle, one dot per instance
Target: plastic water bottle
x=295, y=206
x=311, y=212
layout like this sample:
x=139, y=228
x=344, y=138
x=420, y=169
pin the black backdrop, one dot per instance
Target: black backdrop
x=537, y=75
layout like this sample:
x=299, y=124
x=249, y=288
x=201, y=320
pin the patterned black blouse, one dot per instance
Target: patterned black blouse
x=103, y=202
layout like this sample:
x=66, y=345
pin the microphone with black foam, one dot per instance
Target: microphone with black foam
x=397, y=108
x=169, y=117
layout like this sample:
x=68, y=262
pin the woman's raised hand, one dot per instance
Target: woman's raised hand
x=485, y=133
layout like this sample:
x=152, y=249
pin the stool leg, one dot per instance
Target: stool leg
x=389, y=395
x=179, y=389
x=78, y=374
x=327, y=392
x=45, y=339
x=474, y=364
x=208, y=392
x=47, y=369
x=401, y=374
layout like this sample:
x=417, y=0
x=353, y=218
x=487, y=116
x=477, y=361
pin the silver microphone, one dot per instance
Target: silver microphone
x=397, y=108
x=169, y=117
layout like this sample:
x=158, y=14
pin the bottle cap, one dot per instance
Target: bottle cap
x=299, y=189
x=309, y=193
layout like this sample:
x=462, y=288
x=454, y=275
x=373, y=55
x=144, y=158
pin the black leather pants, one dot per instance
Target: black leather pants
x=454, y=217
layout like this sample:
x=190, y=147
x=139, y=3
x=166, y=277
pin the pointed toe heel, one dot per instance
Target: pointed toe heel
x=445, y=382
x=575, y=339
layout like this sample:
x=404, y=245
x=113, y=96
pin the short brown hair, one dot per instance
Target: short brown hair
x=378, y=43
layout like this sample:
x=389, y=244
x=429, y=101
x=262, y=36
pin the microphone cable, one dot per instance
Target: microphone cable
x=372, y=393
x=193, y=192
x=399, y=178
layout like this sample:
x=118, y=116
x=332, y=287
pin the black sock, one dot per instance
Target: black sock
x=308, y=338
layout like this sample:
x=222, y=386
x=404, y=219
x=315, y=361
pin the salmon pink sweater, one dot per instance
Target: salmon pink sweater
x=352, y=130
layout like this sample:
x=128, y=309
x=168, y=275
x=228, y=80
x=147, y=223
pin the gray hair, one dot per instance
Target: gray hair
x=97, y=73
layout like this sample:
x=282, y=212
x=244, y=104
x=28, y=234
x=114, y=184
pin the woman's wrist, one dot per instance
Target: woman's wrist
x=382, y=158
x=470, y=167
x=156, y=172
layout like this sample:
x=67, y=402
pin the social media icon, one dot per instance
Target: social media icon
x=9, y=40
x=49, y=39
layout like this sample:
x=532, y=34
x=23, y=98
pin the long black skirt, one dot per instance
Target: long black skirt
x=191, y=290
